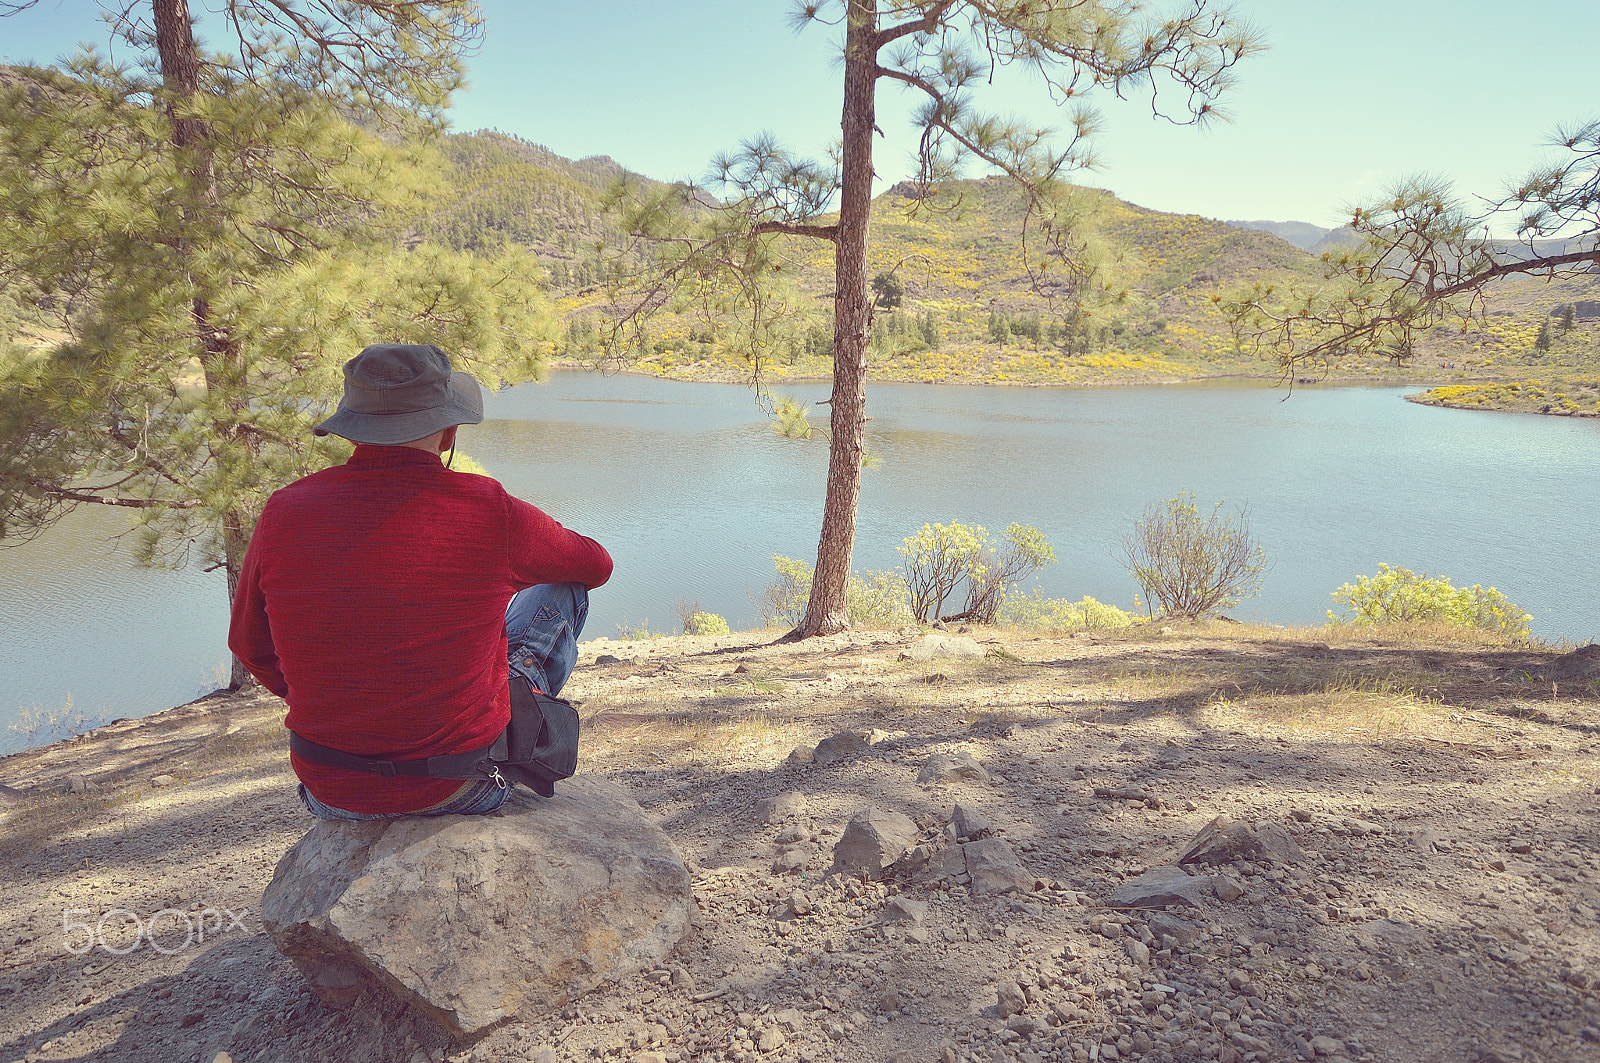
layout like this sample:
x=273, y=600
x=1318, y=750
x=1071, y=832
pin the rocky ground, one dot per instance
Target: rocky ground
x=1409, y=868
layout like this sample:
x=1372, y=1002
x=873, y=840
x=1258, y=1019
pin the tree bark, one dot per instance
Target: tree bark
x=852, y=322
x=220, y=358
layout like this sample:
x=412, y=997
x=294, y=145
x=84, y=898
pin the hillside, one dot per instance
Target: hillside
x=1301, y=234
x=970, y=311
x=1426, y=887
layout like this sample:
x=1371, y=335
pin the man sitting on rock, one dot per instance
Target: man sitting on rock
x=383, y=598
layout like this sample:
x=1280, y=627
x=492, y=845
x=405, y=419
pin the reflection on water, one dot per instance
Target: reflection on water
x=693, y=493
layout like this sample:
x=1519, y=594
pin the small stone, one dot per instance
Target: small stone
x=1158, y=887
x=962, y=767
x=1327, y=1046
x=801, y=755
x=1137, y=951
x=1226, y=887
x=842, y=745
x=771, y=1039
x=682, y=979
x=222, y=1057
x=78, y=784
x=905, y=910
x=1161, y=925
x=930, y=647
x=970, y=823
x=608, y=658
x=1225, y=840
x=162, y=780
x=1010, y=999
x=994, y=868
x=785, y=806
x=872, y=840
x=791, y=862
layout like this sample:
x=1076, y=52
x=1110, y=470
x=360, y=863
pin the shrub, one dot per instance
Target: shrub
x=705, y=624
x=1035, y=612
x=877, y=599
x=943, y=559
x=1193, y=566
x=1398, y=595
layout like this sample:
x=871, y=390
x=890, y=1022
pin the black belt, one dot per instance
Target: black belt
x=474, y=765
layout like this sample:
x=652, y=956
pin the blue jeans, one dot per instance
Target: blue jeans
x=542, y=628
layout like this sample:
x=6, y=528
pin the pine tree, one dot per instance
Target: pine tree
x=942, y=50
x=217, y=235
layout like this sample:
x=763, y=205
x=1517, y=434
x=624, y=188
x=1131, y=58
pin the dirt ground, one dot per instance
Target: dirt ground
x=1444, y=793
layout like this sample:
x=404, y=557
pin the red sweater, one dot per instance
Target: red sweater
x=373, y=601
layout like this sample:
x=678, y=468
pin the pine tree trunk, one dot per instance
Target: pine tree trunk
x=219, y=356
x=852, y=322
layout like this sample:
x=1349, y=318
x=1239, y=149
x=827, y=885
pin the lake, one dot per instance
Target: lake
x=693, y=493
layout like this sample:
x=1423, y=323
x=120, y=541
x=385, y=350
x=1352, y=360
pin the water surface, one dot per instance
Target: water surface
x=692, y=492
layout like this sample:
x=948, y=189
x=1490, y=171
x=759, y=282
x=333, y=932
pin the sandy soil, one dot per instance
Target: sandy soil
x=1445, y=794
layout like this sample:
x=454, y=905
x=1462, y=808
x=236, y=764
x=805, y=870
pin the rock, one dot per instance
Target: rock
x=994, y=868
x=475, y=919
x=608, y=658
x=1158, y=887
x=1395, y=932
x=942, y=864
x=1327, y=1046
x=801, y=755
x=222, y=1057
x=791, y=862
x=1581, y=664
x=1137, y=951
x=1225, y=840
x=905, y=910
x=793, y=834
x=872, y=840
x=78, y=784
x=1010, y=999
x=546, y=1054
x=682, y=979
x=1163, y=925
x=162, y=780
x=785, y=806
x=1226, y=887
x=771, y=1039
x=931, y=646
x=944, y=768
x=844, y=744
x=970, y=823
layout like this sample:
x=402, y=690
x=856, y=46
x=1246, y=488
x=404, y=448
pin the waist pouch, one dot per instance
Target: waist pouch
x=538, y=747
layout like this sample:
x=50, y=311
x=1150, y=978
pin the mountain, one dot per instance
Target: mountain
x=1301, y=234
x=971, y=311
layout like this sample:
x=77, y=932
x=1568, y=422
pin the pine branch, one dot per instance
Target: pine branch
x=820, y=232
x=132, y=503
x=1506, y=269
x=928, y=23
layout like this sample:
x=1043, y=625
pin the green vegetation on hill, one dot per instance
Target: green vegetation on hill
x=969, y=311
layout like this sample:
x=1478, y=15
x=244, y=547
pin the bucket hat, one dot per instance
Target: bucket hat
x=401, y=392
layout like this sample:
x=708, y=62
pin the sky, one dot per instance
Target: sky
x=1350, y=96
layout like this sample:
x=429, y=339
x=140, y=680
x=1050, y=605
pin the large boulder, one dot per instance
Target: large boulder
x=479, y=919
